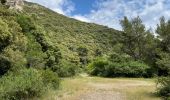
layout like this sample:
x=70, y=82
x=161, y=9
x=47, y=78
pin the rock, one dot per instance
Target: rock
x=15, y=4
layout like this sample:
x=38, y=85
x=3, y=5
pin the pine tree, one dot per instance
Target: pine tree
x=134, y=36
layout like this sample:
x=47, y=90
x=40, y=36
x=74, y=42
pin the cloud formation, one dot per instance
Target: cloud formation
x=110, y=12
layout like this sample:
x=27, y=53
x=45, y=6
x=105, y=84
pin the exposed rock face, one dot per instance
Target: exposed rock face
x=15, y=4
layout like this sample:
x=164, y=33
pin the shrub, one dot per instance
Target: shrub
x=129, y=69
x=163, y=64
x=26, y=84
x=50, y=79
x=163, y=87
x=65, y=69
x=83, y=53
x=26, y=23
x=5, y=35
x=117, y=66
x=99, y=67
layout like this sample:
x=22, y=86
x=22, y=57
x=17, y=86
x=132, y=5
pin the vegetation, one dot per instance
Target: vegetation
x=114, y=88
x=28, y=83
x=33, y=53
x=163, y=60
x=118, y=66
x=164, y=87
x=37, y=45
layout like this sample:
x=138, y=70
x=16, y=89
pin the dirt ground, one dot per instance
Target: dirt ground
x=94, y=88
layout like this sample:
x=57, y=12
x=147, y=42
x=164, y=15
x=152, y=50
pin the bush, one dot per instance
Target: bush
x=117, y=66
x=163, y=64
x=50, y=79
x=26, y=84
x=65, y=69
x=26, y=23
x=99, y=67
x=163, y=87
x=129, y=69
x=5, y=35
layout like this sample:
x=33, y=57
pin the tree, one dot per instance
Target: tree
x=5, y=35
x=134, y=37
x=163, y=31
x=83, y=53
x=53, y=56
x=26, y=23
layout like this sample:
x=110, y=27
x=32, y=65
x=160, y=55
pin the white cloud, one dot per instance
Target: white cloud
x=110, y=12
x=64, y=7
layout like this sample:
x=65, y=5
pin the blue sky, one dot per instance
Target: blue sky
x=83, y=7
x=110, y=12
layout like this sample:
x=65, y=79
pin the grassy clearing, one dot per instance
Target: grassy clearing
x=95, y=88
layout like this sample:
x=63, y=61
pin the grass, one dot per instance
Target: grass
x=78, y=88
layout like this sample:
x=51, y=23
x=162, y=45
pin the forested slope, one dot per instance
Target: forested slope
x=37, y=45
x=70, y=35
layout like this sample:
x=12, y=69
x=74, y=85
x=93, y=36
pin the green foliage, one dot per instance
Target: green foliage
x=26, y=23
x=66, y=69
x=139, y=43
x=98, y=52
x=164, y=47
x=164, y=64
x=163, y=87
x=135, y=38
x=16, y=58
x=26, y=84
x=34, y=55
x=130, y=69
x=53, y=56
x=53, y=44
x=39, y=35
x=83, y=53
x=50, y=79
x=77, y=41
x=5, y=35
x=99, y=67
x=163, y=31
x=118, y=66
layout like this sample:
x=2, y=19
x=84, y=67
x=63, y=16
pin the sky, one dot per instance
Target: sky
x=110, y=12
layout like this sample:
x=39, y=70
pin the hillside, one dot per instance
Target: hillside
x=70, y=34
x=37, y=37
x=39, y=48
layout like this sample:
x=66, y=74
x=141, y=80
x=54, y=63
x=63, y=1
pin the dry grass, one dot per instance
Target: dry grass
x=95, y=88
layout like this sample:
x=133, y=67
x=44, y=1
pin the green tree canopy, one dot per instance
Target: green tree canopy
x=5, y=35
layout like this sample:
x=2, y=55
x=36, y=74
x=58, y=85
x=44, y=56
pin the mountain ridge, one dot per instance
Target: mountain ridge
x=70, y=33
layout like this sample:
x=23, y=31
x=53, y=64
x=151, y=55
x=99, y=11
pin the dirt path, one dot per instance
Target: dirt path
x=93, y=88
x=109, y=90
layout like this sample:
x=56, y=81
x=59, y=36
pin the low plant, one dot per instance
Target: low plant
x=163, y=87
x=117, y=66
x=28, y=83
